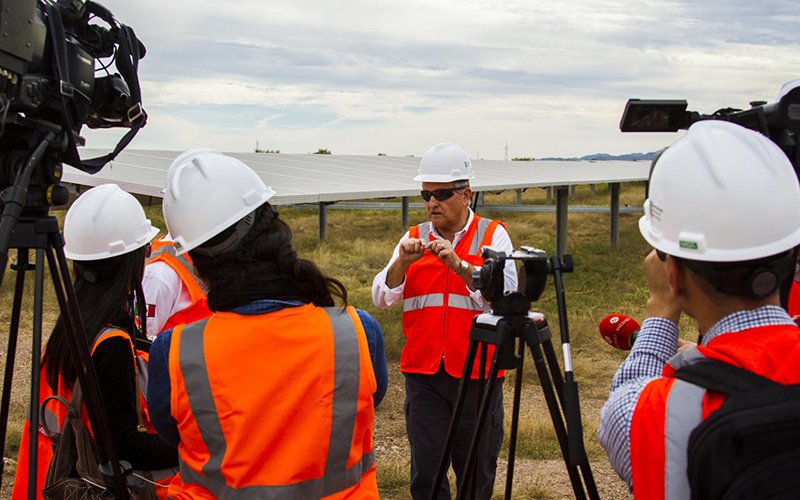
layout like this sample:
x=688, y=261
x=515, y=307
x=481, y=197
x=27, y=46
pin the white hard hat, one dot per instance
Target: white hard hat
x=208, y=192
x=104, y=222
x=444, y=163
x=722, y=193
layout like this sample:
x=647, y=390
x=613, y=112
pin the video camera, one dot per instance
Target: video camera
x=48, y=89
x=779, y=120
x=532, y=275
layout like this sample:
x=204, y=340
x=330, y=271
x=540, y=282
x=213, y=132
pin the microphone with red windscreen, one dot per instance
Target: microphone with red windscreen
x=619, y=331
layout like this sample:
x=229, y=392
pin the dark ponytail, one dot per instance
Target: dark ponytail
x=263, y=266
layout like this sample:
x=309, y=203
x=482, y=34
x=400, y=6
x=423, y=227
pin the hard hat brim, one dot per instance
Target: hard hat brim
x=106, y=255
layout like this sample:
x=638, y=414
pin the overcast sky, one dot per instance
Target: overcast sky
x=366, y=77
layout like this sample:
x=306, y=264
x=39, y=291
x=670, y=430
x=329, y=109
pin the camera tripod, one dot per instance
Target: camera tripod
x=32, y=229
x=511, y=323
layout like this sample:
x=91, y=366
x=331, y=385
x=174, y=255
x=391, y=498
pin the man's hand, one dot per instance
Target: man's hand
x=411, y=250
x=661, y=303
x=443, y=250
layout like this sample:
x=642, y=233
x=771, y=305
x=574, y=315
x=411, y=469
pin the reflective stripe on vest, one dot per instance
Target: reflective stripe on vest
x=170, y=250
x=465, y=302
x=684, y=413
x=437, y=300
x=424, y=231
x=345, y=407
x=480, y=232
x=423, y=301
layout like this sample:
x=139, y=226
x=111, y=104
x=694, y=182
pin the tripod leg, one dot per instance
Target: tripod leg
x=556, y=416
x=555, y=369
x=13, y=330
x=79, y=348
x=568, y=393
x=472, y=454
x=512, y=443
x=448, y=445
x=472, y=469
x=36, y=349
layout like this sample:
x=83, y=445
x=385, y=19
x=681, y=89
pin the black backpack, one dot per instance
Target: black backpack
x=750, y=447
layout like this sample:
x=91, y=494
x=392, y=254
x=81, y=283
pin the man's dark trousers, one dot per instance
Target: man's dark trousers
x=430, y=400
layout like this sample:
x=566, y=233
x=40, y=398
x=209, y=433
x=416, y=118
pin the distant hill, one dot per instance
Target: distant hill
x=606, y=157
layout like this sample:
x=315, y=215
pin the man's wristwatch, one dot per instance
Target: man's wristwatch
x=463, y=268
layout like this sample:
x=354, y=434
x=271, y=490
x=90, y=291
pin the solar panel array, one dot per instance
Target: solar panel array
x=315, y=178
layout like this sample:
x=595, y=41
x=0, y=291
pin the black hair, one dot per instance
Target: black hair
x=752, y=278
x=105, y=290
x=264, y=265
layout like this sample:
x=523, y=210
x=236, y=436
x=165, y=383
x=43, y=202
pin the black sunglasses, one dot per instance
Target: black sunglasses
x=440, y=194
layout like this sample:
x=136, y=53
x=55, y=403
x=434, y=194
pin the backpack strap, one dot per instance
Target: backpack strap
x=722, y=377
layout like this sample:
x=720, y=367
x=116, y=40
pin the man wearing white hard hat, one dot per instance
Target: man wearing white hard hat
x=272, y=396
x=723, y=217
x=430, y=273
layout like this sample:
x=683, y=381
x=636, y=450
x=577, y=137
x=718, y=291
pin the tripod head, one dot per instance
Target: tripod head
x=532, y=275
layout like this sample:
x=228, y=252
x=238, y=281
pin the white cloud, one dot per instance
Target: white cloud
x=394, y=77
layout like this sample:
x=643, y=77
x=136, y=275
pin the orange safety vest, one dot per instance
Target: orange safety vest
x=164, y=251
x=793, y=307
x=668, y=409
x=437, y=307
x=276, y=405
x=54, y=416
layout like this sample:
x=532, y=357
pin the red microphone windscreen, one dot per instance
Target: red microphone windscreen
x=617, y=329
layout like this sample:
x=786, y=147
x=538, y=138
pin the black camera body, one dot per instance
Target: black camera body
x=27, y=61
x=779, y=120
x=48, y=53
x=536, y=265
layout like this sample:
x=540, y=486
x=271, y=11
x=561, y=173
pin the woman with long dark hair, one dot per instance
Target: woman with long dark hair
x=273, y=395
x=107, y=236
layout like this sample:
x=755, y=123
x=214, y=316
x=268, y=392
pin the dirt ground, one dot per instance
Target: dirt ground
x=533, y=479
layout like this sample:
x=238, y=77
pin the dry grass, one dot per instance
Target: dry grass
x=359, y=245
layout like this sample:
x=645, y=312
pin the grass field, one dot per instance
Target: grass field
x=359, y=245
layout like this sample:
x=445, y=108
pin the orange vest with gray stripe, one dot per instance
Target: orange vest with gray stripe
x=164, y=251
x=669, y=409
x=437, y=307
x=54, y=415
x=275, y=406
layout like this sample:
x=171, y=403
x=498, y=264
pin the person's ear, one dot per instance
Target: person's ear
x=467, y=194
x=676, y=276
